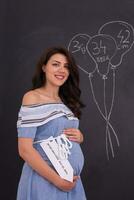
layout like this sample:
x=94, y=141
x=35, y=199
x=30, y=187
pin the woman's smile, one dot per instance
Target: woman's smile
x=60, y=77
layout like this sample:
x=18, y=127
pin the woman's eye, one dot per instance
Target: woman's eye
x=67, y=66
x=55, y=64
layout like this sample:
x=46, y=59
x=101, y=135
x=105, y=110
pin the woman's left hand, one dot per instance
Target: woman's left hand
x=74, y=134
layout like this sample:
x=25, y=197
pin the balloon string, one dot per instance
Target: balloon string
x=94, y=98
x=112, y=103
x=108, y=136
x=83, y=70
x=104, y=75
x=105, y=117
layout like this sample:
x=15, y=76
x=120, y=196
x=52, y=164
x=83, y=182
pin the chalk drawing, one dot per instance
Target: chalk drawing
x=106, y=49
x=77, y=46
x=123, y=33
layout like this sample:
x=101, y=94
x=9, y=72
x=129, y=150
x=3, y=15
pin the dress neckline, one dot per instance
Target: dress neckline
x=42, y=104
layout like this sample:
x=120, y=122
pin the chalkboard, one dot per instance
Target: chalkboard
x=100, y=35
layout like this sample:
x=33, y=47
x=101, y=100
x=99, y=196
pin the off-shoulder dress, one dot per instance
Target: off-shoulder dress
x=40, y=121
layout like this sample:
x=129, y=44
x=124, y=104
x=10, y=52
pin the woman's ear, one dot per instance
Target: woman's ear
x=43, y=68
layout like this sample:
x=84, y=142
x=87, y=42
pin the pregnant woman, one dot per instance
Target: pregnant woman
x=51, y=109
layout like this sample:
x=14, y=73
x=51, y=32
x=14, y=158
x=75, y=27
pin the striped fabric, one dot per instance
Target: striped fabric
x=39, y=114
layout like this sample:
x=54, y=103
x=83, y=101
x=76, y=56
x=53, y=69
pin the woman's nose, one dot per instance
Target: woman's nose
x=62, y=68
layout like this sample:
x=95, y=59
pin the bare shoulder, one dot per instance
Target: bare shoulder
x=29, y=97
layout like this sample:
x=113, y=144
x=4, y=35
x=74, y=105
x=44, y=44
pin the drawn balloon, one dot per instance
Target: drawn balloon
x=123, y=34
x=102, y=48
x=77, y=46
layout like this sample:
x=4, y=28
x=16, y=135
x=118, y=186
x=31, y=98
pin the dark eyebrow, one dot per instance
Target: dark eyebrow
x=55, y=61
x=59, y=62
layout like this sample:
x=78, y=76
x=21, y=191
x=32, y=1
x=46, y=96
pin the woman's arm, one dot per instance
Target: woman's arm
x=33, y=158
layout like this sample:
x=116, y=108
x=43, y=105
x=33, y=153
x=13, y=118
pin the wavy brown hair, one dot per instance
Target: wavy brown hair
x=69, y=92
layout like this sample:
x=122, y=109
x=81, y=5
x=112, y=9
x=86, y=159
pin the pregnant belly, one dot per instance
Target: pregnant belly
x=76, y=158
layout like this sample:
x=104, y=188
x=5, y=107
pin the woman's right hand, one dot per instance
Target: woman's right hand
x=65, y=185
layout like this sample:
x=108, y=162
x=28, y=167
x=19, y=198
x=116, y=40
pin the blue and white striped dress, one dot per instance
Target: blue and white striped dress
x=40, y=121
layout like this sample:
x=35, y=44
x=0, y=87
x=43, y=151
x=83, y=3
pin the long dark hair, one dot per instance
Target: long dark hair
x=69, y=92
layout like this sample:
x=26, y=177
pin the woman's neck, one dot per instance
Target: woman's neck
x=52, y=92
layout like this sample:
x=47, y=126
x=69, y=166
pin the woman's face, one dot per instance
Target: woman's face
x=56, y=70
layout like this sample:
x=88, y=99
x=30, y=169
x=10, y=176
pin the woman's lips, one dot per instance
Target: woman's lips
x=60, y=77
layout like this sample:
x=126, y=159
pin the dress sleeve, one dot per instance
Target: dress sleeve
x=26, y=132
x=24, y=127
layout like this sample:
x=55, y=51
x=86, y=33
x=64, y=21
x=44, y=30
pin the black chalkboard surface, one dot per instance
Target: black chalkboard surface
x=100, y=35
